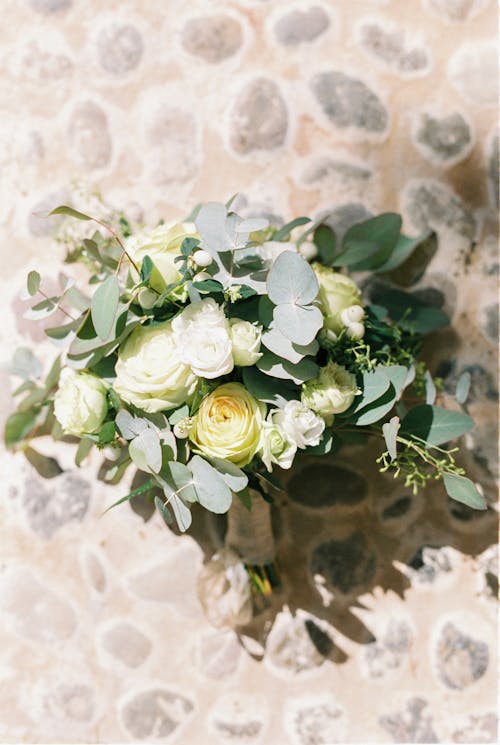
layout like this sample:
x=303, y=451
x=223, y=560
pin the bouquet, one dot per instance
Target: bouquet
x=209, y=354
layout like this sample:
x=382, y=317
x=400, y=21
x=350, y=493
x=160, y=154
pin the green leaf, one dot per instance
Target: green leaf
x=104, y=306
x=18, y=426
x=208, y=285
x=181, y=512
x=211, y=226
x=463, y=387
x=234, y=477
x=45, y=466
x=269, y=389
x=402, y=251
x=65, y=210
x=435, y=425
x=390, y=432
x=134, y=493
x=299, y=373
x=298, y=323
x=412, y=313
x=129, y=425
x=398, y=375
x=213, y=492
x=265, y=311
x=42, y=310
x=52, y=378
x=84, y=447
x=285, y=231
x=59, y=333
x=246, y=499
x=325, y=241
x=463, y=490
x=181, y=413
x=355, y=253
x=163, y=510
x=380, y=232
x=375, y=383
x=430, y=388
x=180, y=479
x=147, y=267
x=33, y=283
x=277, y=343
x=107, y=433
x=377, y=410
x=291, y=280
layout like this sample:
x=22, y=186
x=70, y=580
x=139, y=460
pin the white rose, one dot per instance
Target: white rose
x=80, y=403
x=149, y=372
x=300, y=424
x=162, y=245
x=332, y=392
x=203, y=340
x=270, y=250
x=274, y=445
x=245, y=338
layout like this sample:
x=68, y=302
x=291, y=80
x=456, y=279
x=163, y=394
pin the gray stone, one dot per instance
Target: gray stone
x=218, y=654
x=172, y=135
x=322, y=485
x=155, y=714
x=431, y=204
x=35, y=611
x=400, y=507
x=340, y=219
x=493, y=170
x=429, y=562
x=411, y=725
x=51, y=505
x=213, y=38
x=444, y=139
x=386, y=654
x=324, y=169
x=94, y=571
x=299, y=26
x=50, y=6
x=46, y=66
x=348, y=102
x=119, y=48
x=478, y=729
x=456, y=10
x=88, y=135
x=293, y=645
x=394, y=49
x=491, y=325
x=347, y=565
x=239, y=731
x=319, y=723
x=72, y=701
x=126, y=643
x=460, y=659
x=259, y=119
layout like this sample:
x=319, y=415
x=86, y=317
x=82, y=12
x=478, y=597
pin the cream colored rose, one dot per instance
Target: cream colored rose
x=80, y=403
x=275, y=447
x=228, y=424
x=337, y=293
x=162, y=245
x=149, y=372
x=300, y=424
x=245, y=338
x=332, y=392
x=203, y=341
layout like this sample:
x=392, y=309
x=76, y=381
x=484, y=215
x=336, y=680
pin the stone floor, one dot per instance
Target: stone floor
x=385, y=628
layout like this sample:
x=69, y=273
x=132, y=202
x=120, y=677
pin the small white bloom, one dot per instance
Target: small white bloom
x=182, y=428
x=147, y=298
x=202, y=257
x=300, y=424
x=80, y=404
x=308, y=250
x=354, y=313
x=356, y=330
x=201, y=277
x=203, y=342
x=274, y=446
x=245, y=338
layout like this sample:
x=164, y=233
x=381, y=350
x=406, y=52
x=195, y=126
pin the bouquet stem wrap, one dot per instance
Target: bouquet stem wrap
x=249, y=532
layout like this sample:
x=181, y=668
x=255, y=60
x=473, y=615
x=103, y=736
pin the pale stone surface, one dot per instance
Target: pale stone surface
x=347, y=108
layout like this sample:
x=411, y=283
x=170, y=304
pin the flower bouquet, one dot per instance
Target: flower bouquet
x=211, y=353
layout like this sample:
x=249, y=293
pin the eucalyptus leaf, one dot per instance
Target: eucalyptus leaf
x=45, y=466
x=430, y=388
x=252, y=224
x=377, y=410
x=463, y=387
x=134, y=493
x=235, y=478
x=25, y=365
x=84, y=447
x=104, y=306
x=390, y=432
x=299, y=373
x=285, y=231
x=463, y=490
x=65, y=210
x=211, y=226
x=402, y=251
x=435, y=425
x=19, y=425
x=325, y=241
x=33, y=283
x=181, y=512
x=381, y=232
x=276, y=342
x=130, y=426
x=298, y=323
x=213, y=492
x=42, y=310
x=268, y=389
x=181, y=413
x=291, y=280
x=145, y=451
x=180, y=479
x=374, y=384
x=163, y=510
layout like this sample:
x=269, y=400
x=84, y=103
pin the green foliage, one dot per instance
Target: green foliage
x=435, y=425
x=104, y=306
x=463, y=490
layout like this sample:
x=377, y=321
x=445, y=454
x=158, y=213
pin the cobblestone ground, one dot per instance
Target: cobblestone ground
x=385, y=628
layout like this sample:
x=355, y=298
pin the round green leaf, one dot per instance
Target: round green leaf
x=291, y=280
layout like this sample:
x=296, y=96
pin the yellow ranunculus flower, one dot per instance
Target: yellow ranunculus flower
x=228, y=424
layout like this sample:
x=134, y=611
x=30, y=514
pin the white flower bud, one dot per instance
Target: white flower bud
x=308, y=250
x=202, y=258
x=182, y=428
x=356, y=330
x=201, y=277
x=147, y=298
x=354, y=313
